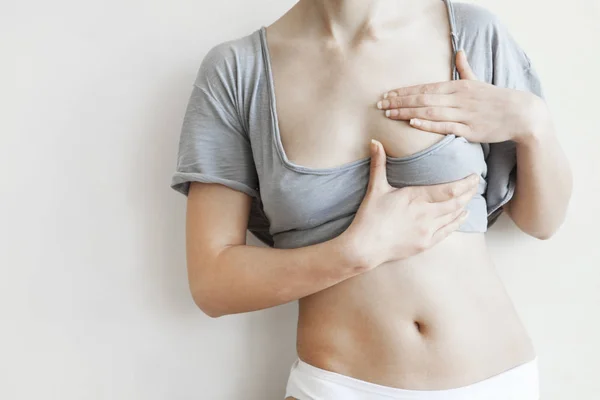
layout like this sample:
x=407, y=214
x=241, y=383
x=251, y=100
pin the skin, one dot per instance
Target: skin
x=481, y=113
x=393, y=300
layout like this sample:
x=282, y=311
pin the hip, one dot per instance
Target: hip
x=307, y=382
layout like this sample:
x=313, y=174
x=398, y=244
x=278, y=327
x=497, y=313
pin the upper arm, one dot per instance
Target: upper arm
x=215, y=164
x=513, y=69
x=216, y=217
x=214, y=147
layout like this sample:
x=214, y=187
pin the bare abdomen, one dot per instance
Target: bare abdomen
x=438, y=320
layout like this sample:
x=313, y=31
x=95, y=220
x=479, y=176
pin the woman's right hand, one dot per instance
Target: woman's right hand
x=394, y=224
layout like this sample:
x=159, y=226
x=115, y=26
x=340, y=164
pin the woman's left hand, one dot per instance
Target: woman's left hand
x=478, y=111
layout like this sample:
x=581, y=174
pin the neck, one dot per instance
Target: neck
x=349, y=21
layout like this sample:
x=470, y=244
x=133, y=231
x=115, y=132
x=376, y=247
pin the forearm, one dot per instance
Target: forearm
x=246, y=278
x=544, y=181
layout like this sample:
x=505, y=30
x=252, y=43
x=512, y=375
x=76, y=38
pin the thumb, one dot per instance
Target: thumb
x=378, y=174
x=463, y=67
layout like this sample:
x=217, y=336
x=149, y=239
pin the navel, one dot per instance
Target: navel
x=419, y=327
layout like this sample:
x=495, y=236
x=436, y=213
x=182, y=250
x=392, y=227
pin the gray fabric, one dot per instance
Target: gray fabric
x=230, y=136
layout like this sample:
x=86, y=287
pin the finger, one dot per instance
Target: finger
x=427, y=88
x=429, y=113
x=377, y=172
x=447, y=229
x=447, y=208
x=449, y=217
x=447, y=191
x=444, y=128
x=463, y=67
x=417, y=100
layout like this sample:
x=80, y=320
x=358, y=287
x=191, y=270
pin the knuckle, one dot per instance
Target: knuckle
x=452, y=190
x=429, y=112
x=424, y=232
x=422, y=99
x=448, y=127
x=419, y=233
x=420, y=247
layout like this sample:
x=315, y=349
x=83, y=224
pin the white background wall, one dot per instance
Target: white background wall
x=94, y=302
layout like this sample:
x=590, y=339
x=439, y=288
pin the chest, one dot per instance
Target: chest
x=314, y=152
x=326, y=99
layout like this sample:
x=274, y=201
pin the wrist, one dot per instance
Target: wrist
x=354, y=252
x=535, y=120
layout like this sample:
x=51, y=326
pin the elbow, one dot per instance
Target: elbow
x=543, y=235
x=213, y=313
x=544, y=232
x=207, y=305
x=207, y=300
x=540, y=227
x=549, y=228
x=204, y=289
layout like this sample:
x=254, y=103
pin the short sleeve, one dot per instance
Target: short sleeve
x=213, y=146
x=511, y=68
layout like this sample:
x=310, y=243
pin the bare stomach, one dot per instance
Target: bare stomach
x=438, y=320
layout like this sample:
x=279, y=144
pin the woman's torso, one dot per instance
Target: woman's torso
x=437, y=320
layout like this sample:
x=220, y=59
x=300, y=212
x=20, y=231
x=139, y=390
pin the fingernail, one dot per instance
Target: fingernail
x=374, y=146
x=385, y=95
x=415, y=122
x=383, y=104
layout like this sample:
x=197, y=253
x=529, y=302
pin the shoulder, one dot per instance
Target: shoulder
x=229, y=60
x=233, y=50
x=494, y=54
x=473, y=18
x=479, y=26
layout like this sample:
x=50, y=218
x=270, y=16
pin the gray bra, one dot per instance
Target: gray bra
x=230, y=136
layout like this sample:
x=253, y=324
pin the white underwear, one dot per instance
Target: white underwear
x=307, y=382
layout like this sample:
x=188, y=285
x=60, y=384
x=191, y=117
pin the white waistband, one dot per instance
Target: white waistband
x=307, y=382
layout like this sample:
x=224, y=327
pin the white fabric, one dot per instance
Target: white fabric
x=307, y=382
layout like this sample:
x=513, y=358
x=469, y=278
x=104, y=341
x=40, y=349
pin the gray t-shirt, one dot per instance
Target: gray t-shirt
x=230, y=136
